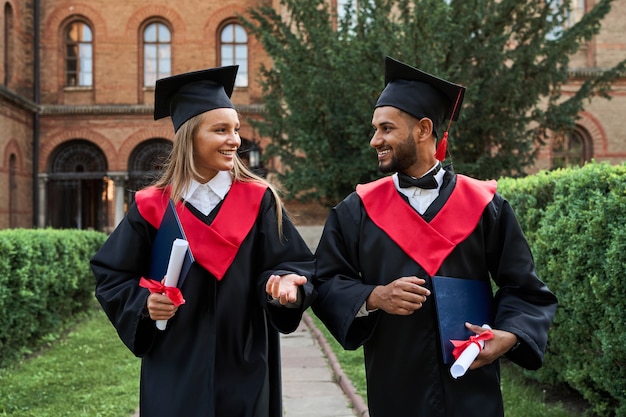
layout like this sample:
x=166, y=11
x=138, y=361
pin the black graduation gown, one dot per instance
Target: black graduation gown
x=405, y=371
x=219, y=355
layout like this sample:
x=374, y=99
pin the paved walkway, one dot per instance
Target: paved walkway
x=310, y=386
x=314, y=385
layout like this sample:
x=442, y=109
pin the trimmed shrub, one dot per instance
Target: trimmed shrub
x=574, y=220
x=45, y=280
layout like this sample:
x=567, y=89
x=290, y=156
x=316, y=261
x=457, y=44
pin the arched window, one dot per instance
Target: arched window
x=157, y=53
x=147, y=161
x=571, y=149
x=77, y=186
x=8, y=40
x=13, y=191
x=234, y=51
x=78, y=55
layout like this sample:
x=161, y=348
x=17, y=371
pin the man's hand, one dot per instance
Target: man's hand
x=501, y=343
x=284, y=287
x=402, y=296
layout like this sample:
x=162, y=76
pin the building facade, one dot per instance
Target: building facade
x=77, y=135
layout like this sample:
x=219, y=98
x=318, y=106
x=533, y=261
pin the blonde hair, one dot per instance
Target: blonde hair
x=181, y=168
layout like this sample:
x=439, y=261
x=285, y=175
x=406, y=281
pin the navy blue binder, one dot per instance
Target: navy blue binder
x=169, y=230
x=458, y=301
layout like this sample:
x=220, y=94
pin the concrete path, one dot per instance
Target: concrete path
x=314, y=384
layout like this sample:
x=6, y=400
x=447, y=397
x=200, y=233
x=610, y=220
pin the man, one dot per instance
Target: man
x=382, y=245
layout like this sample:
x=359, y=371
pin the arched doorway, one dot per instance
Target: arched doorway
x=145, y=164
x=77, y=187
x=573, y=148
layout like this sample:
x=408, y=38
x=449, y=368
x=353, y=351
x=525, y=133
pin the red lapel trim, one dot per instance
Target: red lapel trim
x=213, y=246
x=428, y=244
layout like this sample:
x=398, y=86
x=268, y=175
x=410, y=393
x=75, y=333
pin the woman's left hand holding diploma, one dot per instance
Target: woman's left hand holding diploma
x=160, y=307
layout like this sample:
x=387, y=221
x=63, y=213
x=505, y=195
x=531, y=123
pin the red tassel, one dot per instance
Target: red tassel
x=442, y=148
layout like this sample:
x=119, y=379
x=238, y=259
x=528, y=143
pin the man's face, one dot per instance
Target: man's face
x=393, y=140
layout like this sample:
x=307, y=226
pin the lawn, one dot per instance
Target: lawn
x=90, y=373
x=87, y=373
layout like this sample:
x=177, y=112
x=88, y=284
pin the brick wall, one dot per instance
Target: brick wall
x=115, y=113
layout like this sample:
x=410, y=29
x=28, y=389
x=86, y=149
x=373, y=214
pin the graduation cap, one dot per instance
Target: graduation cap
x=184, y=96
x=422, y=95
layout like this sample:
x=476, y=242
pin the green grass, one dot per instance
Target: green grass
x=88, y=372
x=522, y=397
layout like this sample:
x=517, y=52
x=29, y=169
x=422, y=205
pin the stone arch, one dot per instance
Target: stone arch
x=147, y=161
x=13, y=147
x=61, y=15
x=165, y=13
x=123, y=155
x=596, y=131
x=49, y=144
x=17, y=14
x=217, y=19
x=77, y=156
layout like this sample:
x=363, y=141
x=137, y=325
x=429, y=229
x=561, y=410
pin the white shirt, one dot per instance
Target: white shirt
x=420, y=199
x=205, y=197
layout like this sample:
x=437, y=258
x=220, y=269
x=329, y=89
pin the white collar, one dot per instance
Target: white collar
x=219, y=184
x=410, y=190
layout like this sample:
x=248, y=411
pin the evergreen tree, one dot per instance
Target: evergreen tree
x=326, y=75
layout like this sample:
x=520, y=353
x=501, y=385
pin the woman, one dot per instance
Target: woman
x=219, y=355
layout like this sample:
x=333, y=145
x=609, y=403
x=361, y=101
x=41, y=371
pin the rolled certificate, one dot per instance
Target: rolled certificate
x=175, y=264
x=463, y=362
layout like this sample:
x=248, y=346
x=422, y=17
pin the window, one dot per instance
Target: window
x=78, y=55
x=157, y=53
x=571, y=149
x=13, y=192
x=564, y=15
x=234, y=51
x=342, y=5
x=8, y=38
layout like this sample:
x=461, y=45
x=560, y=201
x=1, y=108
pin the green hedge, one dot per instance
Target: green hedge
x=45, y=280
x=575, y=222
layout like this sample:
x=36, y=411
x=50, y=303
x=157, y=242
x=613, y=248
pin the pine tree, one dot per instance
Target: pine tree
x=327, y=73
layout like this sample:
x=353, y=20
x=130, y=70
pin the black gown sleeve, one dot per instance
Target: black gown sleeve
x=524, y=304
x=279, y=255
x=118, y=266
x=341, y=291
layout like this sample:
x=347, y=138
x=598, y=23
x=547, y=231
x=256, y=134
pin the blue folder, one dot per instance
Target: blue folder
x=458, y=301
x=169, y=230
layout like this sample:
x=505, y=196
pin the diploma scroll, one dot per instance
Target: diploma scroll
x=174, y=266
x=463, y=362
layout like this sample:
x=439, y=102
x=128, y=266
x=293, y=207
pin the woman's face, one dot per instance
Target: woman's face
x=215, y=142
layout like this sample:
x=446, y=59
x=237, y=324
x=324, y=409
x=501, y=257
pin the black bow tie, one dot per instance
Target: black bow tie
x=427, y=182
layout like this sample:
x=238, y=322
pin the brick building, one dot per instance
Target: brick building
x=76, y=127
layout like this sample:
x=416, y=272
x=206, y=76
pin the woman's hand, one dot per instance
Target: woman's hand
x=284, y=288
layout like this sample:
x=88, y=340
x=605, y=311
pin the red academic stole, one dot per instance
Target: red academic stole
x=426, y=243
x=213, y=246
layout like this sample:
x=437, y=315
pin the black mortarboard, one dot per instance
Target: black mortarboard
x=184, y=96
x=420, y=94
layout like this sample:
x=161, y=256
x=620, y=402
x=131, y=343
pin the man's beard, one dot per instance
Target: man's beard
x=404, y=156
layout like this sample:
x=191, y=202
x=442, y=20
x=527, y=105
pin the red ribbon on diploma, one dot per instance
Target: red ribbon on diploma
x=461, y=345
x=173, y=293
